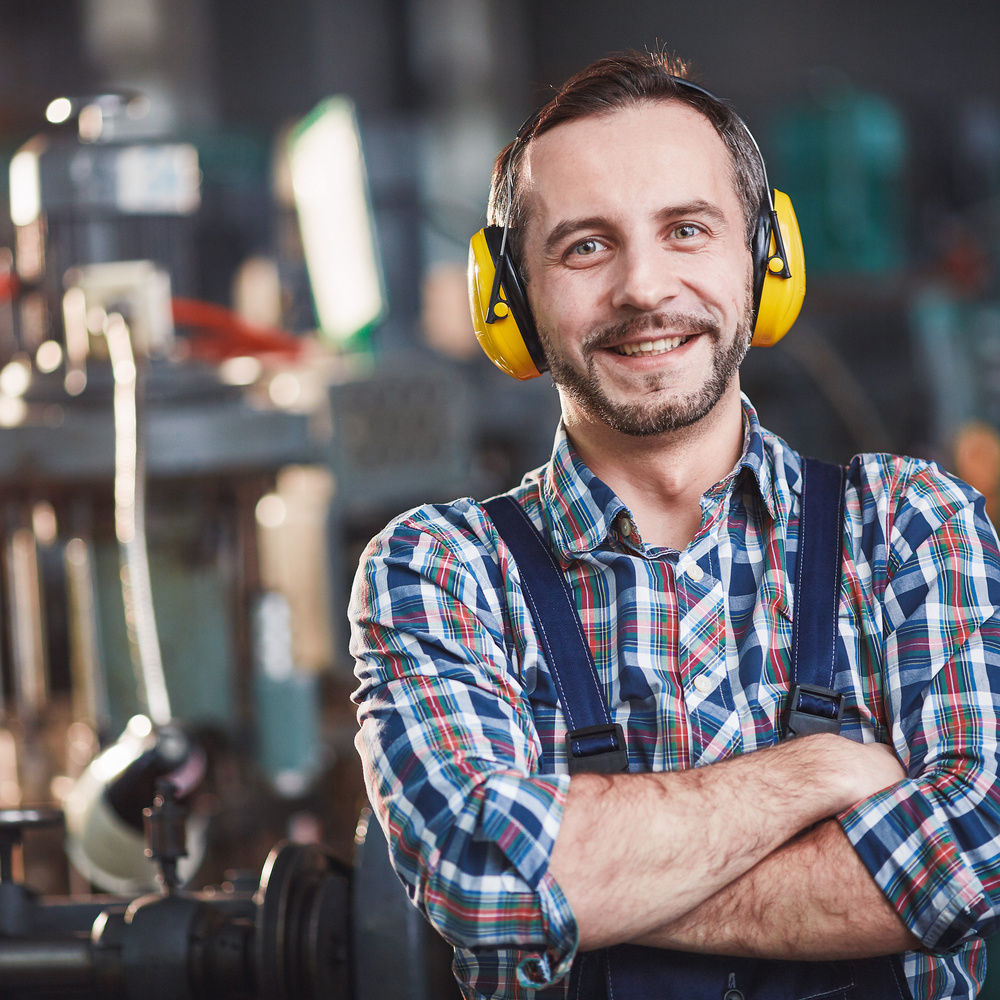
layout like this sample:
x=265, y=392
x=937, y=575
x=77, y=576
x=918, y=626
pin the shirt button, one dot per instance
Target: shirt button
x=703, y=683
x=626, y=527
x=694, y=572
x=533, y=970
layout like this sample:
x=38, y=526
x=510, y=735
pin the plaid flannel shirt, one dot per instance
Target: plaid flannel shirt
x=456, y=700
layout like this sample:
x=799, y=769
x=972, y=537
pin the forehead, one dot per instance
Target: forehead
x=662, y=151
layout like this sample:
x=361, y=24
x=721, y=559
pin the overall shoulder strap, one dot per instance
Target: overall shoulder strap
x=813, y=705
x=593, y=743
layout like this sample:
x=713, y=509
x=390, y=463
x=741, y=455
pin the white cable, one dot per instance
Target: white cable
x=130, y=524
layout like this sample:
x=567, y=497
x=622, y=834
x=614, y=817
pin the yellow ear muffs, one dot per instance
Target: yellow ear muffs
x=779, y=272
x=500, y=313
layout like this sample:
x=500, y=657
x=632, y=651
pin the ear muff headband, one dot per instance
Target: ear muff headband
x=502, y=318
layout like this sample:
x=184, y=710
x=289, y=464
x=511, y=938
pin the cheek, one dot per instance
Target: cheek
x=735, y=275
x=554, y=307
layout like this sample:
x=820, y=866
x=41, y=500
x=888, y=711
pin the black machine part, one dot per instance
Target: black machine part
x=302, y=933
x=310, y=928
x=134, y=788
x=397, y=954
x=286, y=937
x=165, y=830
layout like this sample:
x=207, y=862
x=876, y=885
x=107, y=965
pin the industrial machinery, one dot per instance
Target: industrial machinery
x=283, y=937
x=309, y=928
x=155, y=449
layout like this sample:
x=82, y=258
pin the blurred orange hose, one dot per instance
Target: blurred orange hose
x=222, y=334
x=9, y=286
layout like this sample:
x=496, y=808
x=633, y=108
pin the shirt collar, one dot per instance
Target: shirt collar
x=580, y=508
x=759, y=460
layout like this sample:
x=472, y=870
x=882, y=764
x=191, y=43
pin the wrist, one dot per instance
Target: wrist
x=847, y=772
x=830, y=771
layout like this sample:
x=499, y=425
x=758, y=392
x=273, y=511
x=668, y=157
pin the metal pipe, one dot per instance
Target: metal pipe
x=27, y=630
x=37, y=964
x=90, y=700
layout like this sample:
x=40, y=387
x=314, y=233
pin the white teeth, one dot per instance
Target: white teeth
x=661, y=346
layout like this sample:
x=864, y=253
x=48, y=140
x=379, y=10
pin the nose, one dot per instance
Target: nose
x=644, y=278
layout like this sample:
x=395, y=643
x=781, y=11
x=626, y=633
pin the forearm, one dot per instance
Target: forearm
x=811, y=899
x=636, y=852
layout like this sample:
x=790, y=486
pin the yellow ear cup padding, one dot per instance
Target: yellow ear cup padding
x=781, y=298
x=501, y=340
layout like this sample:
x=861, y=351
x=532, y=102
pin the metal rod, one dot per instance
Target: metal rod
x=28, y=634
x=90, y=701
x=77, y=340
x=35, y=964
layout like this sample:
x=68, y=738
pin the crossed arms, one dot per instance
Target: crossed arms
x=733, y=858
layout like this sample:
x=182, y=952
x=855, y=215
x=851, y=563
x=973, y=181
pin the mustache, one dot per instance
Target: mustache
x=679, y=325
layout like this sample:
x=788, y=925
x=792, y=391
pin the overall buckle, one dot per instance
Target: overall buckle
x=812, y=709
x=597, y=750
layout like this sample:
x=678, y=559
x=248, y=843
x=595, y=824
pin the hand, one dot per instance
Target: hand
x=851, y=771
x=877, y=767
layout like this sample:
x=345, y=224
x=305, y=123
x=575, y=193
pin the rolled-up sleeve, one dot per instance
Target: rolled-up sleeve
x=449, y=745
x=932, y=842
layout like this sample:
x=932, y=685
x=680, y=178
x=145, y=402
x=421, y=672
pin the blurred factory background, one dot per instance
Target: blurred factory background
x=234, y=338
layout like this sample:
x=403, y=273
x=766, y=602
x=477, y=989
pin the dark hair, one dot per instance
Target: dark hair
x=617, y=82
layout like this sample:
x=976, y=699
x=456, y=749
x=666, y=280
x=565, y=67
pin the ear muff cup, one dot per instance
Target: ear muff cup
x=777, y=300
x=511, y=342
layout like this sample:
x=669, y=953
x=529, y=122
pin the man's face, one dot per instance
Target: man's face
x=638, y=272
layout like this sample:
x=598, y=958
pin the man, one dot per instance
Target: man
x=632, y=201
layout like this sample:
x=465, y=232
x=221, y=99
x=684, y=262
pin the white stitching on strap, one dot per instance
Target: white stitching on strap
x=574, y=616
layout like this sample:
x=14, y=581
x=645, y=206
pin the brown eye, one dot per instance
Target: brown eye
x=686, y=231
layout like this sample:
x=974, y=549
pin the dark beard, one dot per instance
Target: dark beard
x=636, y=419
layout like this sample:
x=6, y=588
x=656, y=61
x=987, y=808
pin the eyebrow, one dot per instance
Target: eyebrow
x=570, y=226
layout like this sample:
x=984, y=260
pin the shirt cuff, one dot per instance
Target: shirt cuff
x=542, y=969
x=908, y=848
x=522, y=817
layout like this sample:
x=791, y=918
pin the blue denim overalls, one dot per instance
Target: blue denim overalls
x=594, y=743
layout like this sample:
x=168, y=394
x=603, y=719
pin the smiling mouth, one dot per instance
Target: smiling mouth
x=651, y=347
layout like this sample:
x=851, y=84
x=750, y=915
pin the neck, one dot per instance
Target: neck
x=661, y=478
